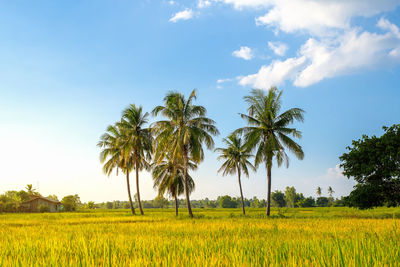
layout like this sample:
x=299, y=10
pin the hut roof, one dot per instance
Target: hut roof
x=43, y=198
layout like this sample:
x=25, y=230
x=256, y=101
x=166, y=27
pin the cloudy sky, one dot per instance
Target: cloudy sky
x=67, y=69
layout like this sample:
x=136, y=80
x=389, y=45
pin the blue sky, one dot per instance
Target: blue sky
x=67, y=69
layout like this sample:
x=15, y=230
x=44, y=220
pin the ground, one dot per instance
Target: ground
x=215, y=237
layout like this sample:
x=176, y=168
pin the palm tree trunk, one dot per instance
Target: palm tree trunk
x=129, y=193
x=137, y=189
x=176, y=205
x=241, y=192
x=185, y=163
x=269, y=188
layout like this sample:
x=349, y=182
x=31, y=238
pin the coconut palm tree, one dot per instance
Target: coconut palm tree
x=330, y=191
x=137, y=141
x=183, y=133
x=113, y=155
x=319, y=191
x=168, y=177
x=236, y=159
x=268, y=131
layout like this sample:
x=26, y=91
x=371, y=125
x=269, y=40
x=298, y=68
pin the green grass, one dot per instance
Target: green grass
x=216, y=237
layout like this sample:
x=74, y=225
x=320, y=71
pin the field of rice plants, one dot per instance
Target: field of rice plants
x=215, y=237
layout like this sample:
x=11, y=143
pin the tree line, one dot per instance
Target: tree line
x=173, y=146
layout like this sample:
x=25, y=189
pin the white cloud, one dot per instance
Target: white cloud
x=313, y=16
x=244, y=52
x=278, y=48
x=273, y=74
x=330, y=57
x=182, y=15
x=171, y=2
x=224, y=80
x=203, y=3
x=335, y=172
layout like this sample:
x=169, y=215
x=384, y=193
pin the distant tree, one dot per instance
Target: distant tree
x=322, y=202
x=278, y=199
x=268, y=131
x=227, y=202
x=290, y=196
x=319, y=191
x=71, y=202
x=330, y=191
x=52, y=197
x=31, y=191
x=236, y=160
x=374, y=162
x=183, y=133
x=109, y=205
x=298, y=199
x=90, y=205
x=160, y=202
x=306, y=202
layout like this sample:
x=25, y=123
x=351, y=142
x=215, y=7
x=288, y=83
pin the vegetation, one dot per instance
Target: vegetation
x=374, y=162
x=303, y=237
x=268, y=131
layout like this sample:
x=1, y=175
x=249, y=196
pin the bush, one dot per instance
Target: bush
x=43, y=208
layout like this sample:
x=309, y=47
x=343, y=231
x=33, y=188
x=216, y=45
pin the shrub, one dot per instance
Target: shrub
x=43, y=208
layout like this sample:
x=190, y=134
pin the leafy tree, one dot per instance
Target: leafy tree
x=160, y=202
x=306, y=202
x=374, y=162
x=31, y=191
x=227, y=202
x=52, y=197
x=236, y=160
x=137, y=142
x=278, y=199
x=290, y=196
x=115, y=155
x=322, y=202
x=71, y=202
x=90, y=205
x=268, y=131
x=183, y=133
x=168, y=177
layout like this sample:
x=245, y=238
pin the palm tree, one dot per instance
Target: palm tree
x=168, y=177
x=31, y=191
x=113, y=155
x=268, y=131
x=330, y=191
x=236, y=156
x=319, y=191
x=183, y=133
x=137, y=141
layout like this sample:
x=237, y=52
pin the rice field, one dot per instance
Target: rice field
x=216, y=237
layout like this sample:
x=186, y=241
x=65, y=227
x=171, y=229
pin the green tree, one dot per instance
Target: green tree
x=330, y=191
x=374, y=162
x=322, y=202
x=268, y=131
x=278, y=199
x=236, y=160
x=183, y=133
x=168, y=177
x=71, y=202
x=31, y=191
x=90, y=205
x=52, y=197
x=160, y=202
x=290, y=196
x=115, y=155
x=137, y=141
x=227, y=202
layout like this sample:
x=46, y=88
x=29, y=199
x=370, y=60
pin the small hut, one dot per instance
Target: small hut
x=33, y=204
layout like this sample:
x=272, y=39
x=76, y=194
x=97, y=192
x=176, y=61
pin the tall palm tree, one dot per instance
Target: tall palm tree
x=330, y=191
x=137, y=141
x=183, y=133
x=236, y=159
x=319, y=191
x=168, y=177
x=268, y=131
x=113, y=155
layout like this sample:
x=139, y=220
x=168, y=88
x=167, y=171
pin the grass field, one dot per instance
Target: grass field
x=216, y=237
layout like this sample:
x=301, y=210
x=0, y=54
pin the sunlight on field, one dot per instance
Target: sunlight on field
x=296, y=237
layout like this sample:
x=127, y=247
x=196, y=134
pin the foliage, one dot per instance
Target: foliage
x=227, y=202
x=90, y=205
x=71, y=202
x=290, y=196
x=322, y=202
x=374, y=162
x=268, y=131
x=160, y=202
x=278, y=199
x=43, y=208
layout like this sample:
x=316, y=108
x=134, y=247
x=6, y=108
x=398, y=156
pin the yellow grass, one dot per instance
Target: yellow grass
x=304, y=237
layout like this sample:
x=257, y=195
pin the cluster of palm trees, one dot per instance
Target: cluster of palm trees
x=173, y=146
